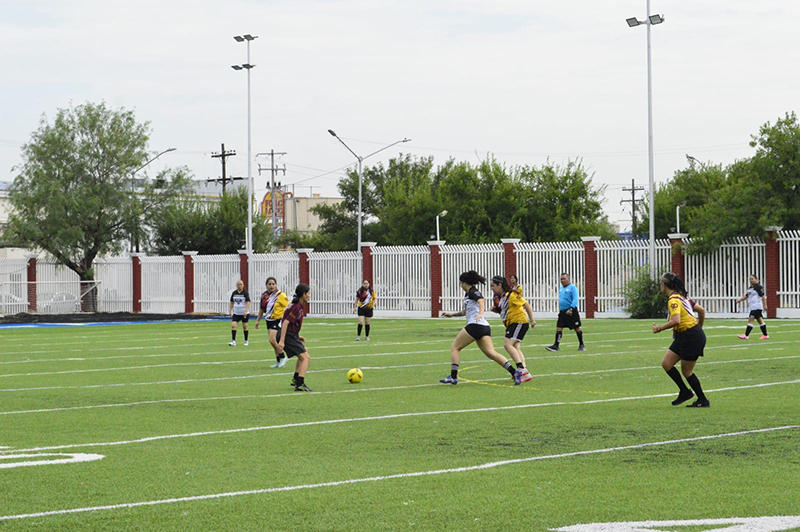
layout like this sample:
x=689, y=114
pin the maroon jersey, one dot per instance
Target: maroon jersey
x=294, y=315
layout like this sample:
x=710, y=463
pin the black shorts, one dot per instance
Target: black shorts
x=689, y=344
x=516, y=331
x=238, y=317
x=478, y=331
x=366, y=312
x=757, y=314
x=275, y=325
x=292, y=345
x=569, y=321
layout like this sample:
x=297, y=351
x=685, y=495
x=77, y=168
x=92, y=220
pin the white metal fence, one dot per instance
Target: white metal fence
x=402, y=278
x=617, y=261
x=284, y=266
x=163, y=285
x=334, y=278
x=115, y=284
x=789, y=294
x=215, y=279
x=717, y=280
x=13, y=286
x=539, y=269
x=486, y=259
x=58, y=289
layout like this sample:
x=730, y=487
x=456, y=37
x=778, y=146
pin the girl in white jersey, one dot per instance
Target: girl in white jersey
x=477, y=329
x=758, y=304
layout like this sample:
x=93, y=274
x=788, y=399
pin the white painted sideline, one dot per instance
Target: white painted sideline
x=774, y=523
x=42, y=460
x=377, y=418
x=488, y=465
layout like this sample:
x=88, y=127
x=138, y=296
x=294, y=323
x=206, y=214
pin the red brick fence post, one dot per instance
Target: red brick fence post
x=590, y=269
x=305, y=273
x=772, y=281
x=510, y=256
x=436, y=277
x=188, y=276
x=678, y=258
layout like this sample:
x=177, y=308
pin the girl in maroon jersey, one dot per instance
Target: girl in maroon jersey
x=291, y=342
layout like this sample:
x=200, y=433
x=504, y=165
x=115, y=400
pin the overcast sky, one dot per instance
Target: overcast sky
x=522, y=79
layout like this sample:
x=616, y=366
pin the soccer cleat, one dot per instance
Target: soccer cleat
x=553, y=347
x=448, y=380
x=280, y=363
x=292, y=383
x=526, y=375
x=367, y=338
x=246, y=343
x=518, y=377
x=302, y=388
x=233, y=343
x=764, y=337
x=683, y=397
x=358, y=338
x=700, y=404
x=581, y=347
x=743, y=337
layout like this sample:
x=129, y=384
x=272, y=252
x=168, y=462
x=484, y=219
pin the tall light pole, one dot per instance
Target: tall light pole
x=360, y=160
x=440, y=215
x=133, y=193
x=248, y=66
x=649, y=21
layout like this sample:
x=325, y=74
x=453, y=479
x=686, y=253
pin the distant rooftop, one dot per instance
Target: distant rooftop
x=4, y=185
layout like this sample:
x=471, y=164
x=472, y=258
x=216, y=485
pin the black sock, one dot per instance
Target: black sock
x=246, y=334
x=580, y=337
x=509, y=368
x=764, y=329
x=233, y=334
x=676, y=376
x=299, y=381
x=366, y=330
x=558, y=338
x=359, y=329
x=747, y=331
x=282, y=355
x=520, y=365
x=694, y=382
x=454, y=370
x=295, y=377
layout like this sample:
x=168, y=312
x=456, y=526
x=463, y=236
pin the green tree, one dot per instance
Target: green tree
x=216, y=228
x=73, y=196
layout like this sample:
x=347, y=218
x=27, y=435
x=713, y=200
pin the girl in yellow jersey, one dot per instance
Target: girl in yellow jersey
x=512, y=308
x=688, y=340
x=273, y=305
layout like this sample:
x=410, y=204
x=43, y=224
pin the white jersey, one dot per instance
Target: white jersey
x=755, y=296
x=472, y=307
x=240, y=300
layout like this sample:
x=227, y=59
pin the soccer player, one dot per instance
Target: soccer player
x=758, y=304
x=273, y=305
x=513, y=282
x=568, y=313
x=512, y=308
x=239, y=310
x=688, y=342
x=477, y=329
x=365, y=303
x=291, y=343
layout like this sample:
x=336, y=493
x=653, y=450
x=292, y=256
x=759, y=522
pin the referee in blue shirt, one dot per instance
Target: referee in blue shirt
x=567, y=313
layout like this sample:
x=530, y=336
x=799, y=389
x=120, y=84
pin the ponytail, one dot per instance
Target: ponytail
x=674, y=282
x=472, y=278
x=301, y=290
x=497, y=279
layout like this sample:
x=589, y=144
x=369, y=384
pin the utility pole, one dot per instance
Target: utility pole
x=223, y=156
x=272, y=188
x=633, y=190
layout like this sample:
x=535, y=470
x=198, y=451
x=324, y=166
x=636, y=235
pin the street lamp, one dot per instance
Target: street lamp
x=133, y=192
x=649, y=21
x=248, y=66
x=440, y=215
x=360, y=159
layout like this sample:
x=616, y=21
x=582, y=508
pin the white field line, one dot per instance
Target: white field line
x=478, y=467
x=364, y=389
x=582, y=354
x=375, y=418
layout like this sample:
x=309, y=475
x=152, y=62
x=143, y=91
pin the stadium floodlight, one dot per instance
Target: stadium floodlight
x=360, y=176
x=248, y=66
x=649, y=21
x=440, y=215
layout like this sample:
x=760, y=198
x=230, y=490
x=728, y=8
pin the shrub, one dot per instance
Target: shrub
x=643, y=297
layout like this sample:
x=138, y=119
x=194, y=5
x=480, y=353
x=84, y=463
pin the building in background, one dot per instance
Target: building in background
x=294, y=213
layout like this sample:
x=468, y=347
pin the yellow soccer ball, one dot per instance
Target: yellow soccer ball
x=354, y=376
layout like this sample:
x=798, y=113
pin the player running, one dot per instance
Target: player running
x=512, y=308
x=758, y=304
x=273, y=305
x=291, y=343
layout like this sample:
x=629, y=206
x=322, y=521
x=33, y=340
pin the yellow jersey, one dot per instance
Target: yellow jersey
x=274, y=304
x=512, y=308
x=680, y=305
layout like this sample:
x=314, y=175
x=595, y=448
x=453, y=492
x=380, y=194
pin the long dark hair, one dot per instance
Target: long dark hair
x=472, y=278
x=361, y=288
x=301, y=290
x=271, y=279
x=673, y=281
x=502, y=282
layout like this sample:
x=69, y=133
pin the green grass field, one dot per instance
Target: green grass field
x=196, y=435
